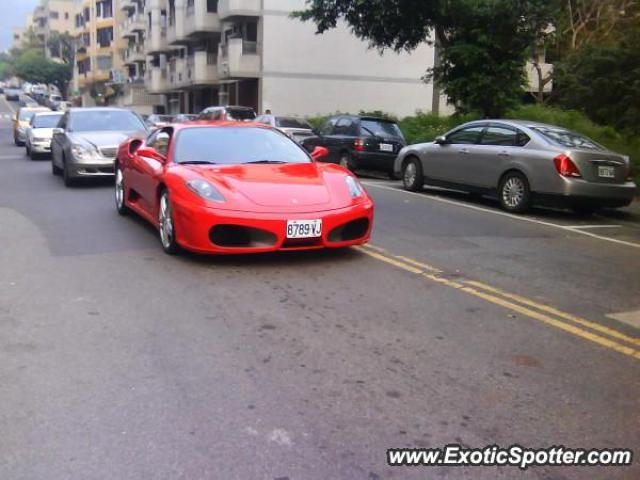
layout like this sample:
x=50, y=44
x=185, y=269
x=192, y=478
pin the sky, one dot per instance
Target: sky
x=13, y=13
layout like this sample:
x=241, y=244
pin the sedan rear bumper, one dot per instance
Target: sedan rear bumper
x=578, y=193
x=208, y=230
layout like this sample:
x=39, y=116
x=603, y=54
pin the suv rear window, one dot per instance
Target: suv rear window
x=380, y=128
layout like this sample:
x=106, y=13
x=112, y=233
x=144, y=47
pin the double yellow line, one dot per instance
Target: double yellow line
x=592, y=331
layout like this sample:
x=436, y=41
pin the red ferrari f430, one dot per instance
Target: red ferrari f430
x=239, y=188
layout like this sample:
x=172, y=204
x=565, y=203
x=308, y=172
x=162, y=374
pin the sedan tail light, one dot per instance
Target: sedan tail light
x=358, y=145
x=566, y=167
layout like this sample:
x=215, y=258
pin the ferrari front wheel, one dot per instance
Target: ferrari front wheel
x=166, y=226
x=121, y=207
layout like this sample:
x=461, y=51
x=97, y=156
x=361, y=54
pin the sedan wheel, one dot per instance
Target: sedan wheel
x=120, y=192
x=514, y=193
x=166, y=226
x=69, y=181
x=412, y=177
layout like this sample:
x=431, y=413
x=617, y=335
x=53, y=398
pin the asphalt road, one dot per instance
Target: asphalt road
x=459, y=324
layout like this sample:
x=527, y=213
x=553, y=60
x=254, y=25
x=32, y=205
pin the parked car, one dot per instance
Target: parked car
x=185, y=117
x=86, y=141
x=53, y=101
x=27, y=101
x=524, y=163
x=360, y=142
x=21, y=122
x=233, y=188
x=12, y=94
x=228, y=113
x=40, y=132
x=295, y=128
x=158, y=121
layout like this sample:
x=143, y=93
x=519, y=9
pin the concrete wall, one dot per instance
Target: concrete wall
x=308, y=74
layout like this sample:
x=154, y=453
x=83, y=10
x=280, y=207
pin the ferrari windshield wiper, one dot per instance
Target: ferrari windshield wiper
x=265, y=162
x=197, y=162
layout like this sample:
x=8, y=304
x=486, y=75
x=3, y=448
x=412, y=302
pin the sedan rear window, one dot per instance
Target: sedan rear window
x=286, y=122
x=46, y=121
x=381, y=128
x=567, y=138
x=240, y=114
x=236, y=145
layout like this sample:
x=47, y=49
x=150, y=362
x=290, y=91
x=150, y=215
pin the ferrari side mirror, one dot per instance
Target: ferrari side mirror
x=319, y=152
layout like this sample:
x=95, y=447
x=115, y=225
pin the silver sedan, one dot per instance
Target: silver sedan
x=523, y=163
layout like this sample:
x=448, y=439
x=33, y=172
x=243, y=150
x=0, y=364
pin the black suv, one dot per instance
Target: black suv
x=359, y=142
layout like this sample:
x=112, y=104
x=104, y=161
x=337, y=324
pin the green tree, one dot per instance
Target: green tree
x=603, y=81
x=483, y=44
x=34, y=67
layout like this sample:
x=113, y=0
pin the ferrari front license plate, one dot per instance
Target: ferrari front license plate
x=304, y=228
x=607, y=172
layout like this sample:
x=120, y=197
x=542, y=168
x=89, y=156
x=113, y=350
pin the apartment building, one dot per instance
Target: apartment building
x=53, y=16
x=98, y=60
x=132, y=31
x=250, y=52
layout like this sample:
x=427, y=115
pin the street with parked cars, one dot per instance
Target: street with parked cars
x=328, y=294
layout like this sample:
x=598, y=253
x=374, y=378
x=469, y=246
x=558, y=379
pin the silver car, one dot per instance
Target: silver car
x=295, y=128
x=40, y=132
x=86, y=142
x=524, y=163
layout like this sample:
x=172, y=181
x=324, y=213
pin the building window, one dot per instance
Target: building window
x=84, y=66
x=212, y=6
x=104, y=62
x=104, y=36
x=87, y=15
x=54, y=15
x=104, y=9
x=66, y=15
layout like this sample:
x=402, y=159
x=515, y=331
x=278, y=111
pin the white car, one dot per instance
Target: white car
x=40, y=133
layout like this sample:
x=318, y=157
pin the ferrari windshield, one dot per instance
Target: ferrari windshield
x=236, y=145
x=105, y=120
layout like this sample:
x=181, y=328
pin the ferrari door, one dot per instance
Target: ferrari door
x=147, y=166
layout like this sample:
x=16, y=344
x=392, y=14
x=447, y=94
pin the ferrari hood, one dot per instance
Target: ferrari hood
x=277, y=186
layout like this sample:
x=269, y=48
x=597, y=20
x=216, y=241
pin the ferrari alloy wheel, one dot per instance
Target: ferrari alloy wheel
x=166, y=226
x=514, y=192
x=120, y=192
x=412, y=178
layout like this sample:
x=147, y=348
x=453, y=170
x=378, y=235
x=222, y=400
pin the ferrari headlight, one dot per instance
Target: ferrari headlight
x=81, y=152
x=355, y=189
x=205, y=190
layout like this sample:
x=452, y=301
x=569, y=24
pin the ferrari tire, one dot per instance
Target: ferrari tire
x=120, y=192
x=166, y=225
x=412, y=177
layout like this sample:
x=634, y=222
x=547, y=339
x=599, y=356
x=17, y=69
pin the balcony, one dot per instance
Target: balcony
x=135, y=94
x=175, y=31
x=132, y=25
x=156, y=41
x=198, y=21
x=156, y=80
x=239, y=58
x=180, y=73
x=134, y=54
x=205, y=68
x=128, y=5
x=229, y=9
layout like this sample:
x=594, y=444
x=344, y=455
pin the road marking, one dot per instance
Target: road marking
x=491, y=295
x=591, y=226
x=630, y=318
x=504, y=214
x=554, y=311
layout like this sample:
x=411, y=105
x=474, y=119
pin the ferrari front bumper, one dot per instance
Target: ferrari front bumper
x=210, y=230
